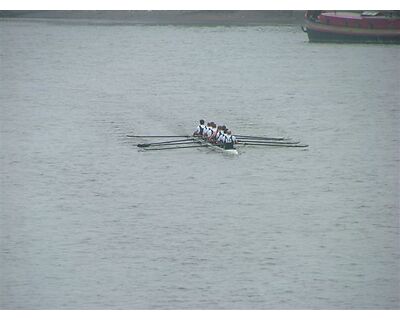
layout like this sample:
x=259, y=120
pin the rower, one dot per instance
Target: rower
x=221, y=138
x=212, y=132
x=206, y=128
x=199, y=129
x=216, y=135
x=230, y=140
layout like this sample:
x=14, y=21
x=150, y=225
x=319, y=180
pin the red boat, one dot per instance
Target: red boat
x=365, y=27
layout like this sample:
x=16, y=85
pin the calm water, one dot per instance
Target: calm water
x=88, y=222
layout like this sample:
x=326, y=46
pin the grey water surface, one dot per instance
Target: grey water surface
x=90, y=222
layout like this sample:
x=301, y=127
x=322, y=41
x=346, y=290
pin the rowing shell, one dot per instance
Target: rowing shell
x=215, y=147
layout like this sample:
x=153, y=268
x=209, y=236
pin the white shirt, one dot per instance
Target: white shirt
x=198, y=129
x=230, y=138
x=210, y=132
x=205, y=131
x=221, y=137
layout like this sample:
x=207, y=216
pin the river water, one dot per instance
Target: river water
x=89, y=222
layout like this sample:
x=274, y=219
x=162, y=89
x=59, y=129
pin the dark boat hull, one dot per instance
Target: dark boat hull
x=322, y=36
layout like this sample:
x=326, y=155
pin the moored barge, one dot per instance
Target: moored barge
x=364, y=27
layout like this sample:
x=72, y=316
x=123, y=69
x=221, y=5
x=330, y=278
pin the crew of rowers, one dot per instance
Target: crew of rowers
x=219, y=135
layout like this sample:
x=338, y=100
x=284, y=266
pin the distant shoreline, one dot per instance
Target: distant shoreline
x=251, y=17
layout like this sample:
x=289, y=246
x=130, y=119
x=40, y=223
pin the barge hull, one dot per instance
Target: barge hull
x=322, y=36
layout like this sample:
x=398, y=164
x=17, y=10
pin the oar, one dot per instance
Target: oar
x=151, y=149
x=165, y=142
x=133, y=136
x=145, y=145
x=268, y=141
x=239, y=136
x=274, y=145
